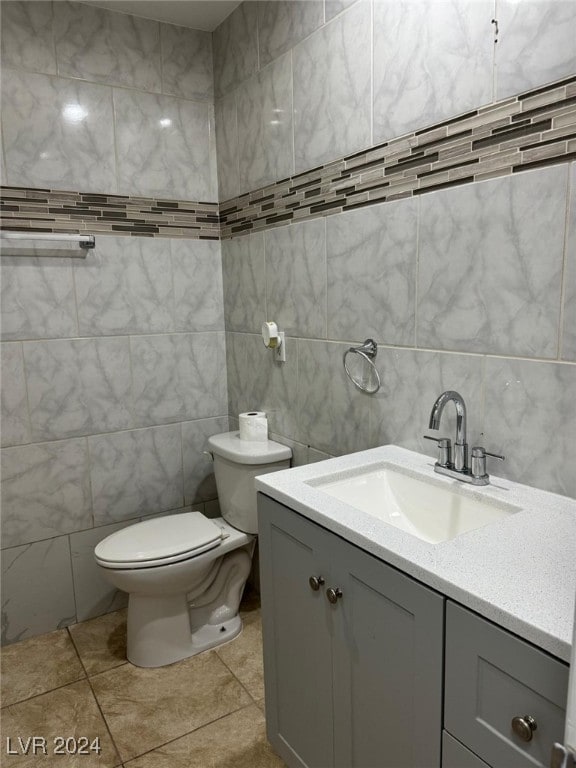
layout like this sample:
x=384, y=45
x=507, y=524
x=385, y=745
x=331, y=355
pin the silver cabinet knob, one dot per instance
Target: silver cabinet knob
x=524, y=727
x=315, y=582
x=333, y=594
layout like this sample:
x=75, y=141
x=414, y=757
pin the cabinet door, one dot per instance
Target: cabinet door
x=296, y=628
x=493, y=677
x=456, y=755
x=387, y=665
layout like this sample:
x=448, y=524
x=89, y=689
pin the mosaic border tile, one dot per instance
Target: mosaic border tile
x=47, y=210
x=534, y=129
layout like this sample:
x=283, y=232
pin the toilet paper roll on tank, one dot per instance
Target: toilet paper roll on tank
x=253, y=426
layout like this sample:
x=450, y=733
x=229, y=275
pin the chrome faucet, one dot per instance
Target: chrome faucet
x=458, y=469
x=460, y=446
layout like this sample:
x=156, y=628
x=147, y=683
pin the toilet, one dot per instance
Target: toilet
x=185, y=573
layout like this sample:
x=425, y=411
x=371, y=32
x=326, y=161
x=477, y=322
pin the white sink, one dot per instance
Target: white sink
x=424, y=506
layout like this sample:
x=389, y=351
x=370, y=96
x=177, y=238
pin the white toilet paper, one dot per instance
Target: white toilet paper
x=253, y=426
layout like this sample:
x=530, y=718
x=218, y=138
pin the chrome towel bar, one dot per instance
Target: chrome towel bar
x=85, y=242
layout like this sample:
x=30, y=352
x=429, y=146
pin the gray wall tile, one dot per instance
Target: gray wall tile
x=37, y=298
x=235, y=367
x=78, y=386
x=296, y=278
x=372, y=273
x=257, y=382
x=37, y=591
x=108, y=47
x=568, y=351
x=531, y=419
x=227, y=152
x=136, y=473
x=15, y=419
x=199, y=482
x=265, y=125
x=235, y=45
x=178, y=377
x=314, y=455
x=483, y=285
x=57, y=133
x=45, y=491
x=163, y=146
x=283, y=23
x=243, y=270
x=431, y=61
x=27, y=39
x=187, y=63
x=93, y=592
x=332, y=86
x=198, y=292
x=334, y=7
x=299, y=451
x=332, y=414
x=125, y=286
x=535, y=44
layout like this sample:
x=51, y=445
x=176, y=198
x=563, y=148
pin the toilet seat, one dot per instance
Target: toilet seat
x=161, y=541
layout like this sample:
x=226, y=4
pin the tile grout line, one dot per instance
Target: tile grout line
x=188, y=733
x=244, y=688
x=103, y=716
x=570, y=202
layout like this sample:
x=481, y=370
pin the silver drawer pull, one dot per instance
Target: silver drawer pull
x=315, y=582
x=333, y=594
x=524, y=727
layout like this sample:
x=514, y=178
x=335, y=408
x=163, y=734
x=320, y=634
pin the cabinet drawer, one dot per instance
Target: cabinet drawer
x=493, y=677
x=456, y=755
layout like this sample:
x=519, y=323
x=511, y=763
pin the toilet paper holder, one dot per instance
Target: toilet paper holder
x=274, y=339
x=367, y=352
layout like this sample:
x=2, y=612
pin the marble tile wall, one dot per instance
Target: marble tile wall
x=469, y=289
x=113, y=376
x=105, y=102
x=112, y=367
x=361, y=72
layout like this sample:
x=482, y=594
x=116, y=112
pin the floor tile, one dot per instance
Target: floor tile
x=37, y=665
x=145, y=708
x=237, y=740
x=250, y=603
x=67, y=712
x=101, y=642
x=243, y=656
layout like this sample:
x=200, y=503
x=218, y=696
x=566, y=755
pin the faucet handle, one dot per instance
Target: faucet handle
x=444, y=449
x=478, y=463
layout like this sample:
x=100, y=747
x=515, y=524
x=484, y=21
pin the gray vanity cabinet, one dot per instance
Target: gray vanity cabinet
x=354, y=683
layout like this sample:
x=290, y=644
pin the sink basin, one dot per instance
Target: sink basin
x=420, y=505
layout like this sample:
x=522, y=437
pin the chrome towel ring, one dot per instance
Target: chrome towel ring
x=366, y=382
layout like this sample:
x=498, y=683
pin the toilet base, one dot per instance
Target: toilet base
x=165, y=628
x=159, y=631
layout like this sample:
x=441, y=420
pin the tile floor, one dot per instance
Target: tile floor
x=203, y=712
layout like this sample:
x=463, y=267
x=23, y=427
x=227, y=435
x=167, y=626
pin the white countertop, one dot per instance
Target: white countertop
x=519, y=572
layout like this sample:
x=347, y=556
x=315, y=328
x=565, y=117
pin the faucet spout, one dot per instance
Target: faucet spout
x=461, y=448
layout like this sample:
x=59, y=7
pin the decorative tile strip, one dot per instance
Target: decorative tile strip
x=534, y=129
x=531, y=130
x=47, y=210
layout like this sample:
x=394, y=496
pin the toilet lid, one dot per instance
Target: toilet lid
x=162, y=540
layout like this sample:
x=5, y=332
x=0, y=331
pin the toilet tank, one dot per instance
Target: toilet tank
x=236, y=464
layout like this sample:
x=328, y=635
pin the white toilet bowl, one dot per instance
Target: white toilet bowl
x=179, y=604
x=184, y=573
